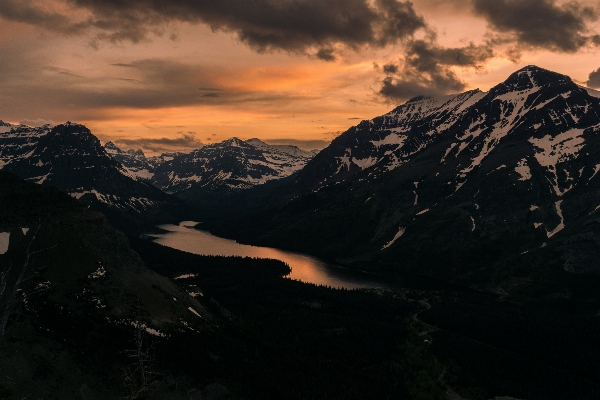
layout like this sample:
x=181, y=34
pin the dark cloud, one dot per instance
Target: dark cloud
x=540, y=23
x=184, y=141
x=263, y=24
x=594, y=79
x=326, y=55
x=30, y=13
x=426, y=69
x=303, y=144
x=390, y=68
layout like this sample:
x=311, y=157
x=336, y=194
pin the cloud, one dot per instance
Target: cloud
x=540, y=23
x=184, y=141
x=594, y=79
x=37, y=122
x=426, y=69
x=303, y=144
x=390, y=68
x=37, y=13
x=265, y=25
x=326, y=54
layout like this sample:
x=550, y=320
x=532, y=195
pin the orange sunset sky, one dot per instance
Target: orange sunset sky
x=167, y=75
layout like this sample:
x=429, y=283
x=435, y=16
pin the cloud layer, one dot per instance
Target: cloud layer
x=540, y=23
x=426, y=69
x=295, y=26
x=185, y=141
x=594, y=79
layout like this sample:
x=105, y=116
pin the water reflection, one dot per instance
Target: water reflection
x=304, y=268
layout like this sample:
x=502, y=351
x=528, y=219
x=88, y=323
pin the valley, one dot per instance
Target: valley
x=447, y=248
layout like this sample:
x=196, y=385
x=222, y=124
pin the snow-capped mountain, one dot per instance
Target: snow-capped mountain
x=384, y=143
x=441, y=179
x=233, y=164
x=70, y=157
x=133, y=160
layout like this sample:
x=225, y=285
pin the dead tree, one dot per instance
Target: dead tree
x=140, y=376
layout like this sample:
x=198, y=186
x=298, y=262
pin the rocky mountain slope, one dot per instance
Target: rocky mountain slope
x=70, y=157
x=134, y=161
x=231, y=165
x=440, y=184
x=73, y=297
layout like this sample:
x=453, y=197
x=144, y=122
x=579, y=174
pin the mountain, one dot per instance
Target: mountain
x=134, y=161
x=70, y=157
x=440, y=184
x=86, y=318
x=233, y=165
x=74, y=297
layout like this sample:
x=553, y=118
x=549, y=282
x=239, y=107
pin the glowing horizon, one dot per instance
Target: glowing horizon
x=212, y=74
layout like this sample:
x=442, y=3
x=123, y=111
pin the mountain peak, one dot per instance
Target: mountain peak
x=233, y=142
x=112, y=148
x=256, y=142
x=530, y=77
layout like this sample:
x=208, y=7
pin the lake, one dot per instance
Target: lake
x=304, y=268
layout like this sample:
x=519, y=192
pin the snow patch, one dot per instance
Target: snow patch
x=99, y=273
x=554, y=150
x=596, y=169
x=452, y=146
x=365, y=162
x=4, y=237
x=510, y=119
x=396, y=237
x=194, y=312
x=186, y=276
x=151, y=331
x=390, y=139
x=560, y=226
x=523, y=170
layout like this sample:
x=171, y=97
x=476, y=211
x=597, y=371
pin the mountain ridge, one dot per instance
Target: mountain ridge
x=233, y=164
x=501, y=174
x=70, y=157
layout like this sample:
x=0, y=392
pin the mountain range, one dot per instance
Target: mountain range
x=506, y=174
x=495, y=195
x=71, y=158
x=440, y=184
x=233, y=164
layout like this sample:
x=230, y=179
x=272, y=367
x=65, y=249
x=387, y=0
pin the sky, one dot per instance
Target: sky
x=173, y=75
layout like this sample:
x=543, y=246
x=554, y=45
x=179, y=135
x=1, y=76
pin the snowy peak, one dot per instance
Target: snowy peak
x=70, y=157
x=134, y=161
x=112, y=148
x=18, y=142
x=531, y=77
x=385, y=143
x=233, y=164
x=523, y=158
x=233, y=142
